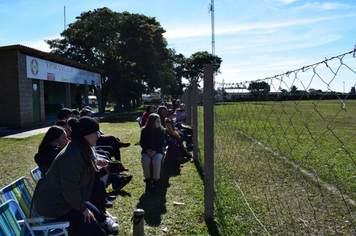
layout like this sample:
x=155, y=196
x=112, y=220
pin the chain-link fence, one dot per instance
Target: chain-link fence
x=284, y=152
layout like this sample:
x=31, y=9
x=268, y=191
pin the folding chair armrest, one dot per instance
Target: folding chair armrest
x=52, y=225
x=39, y=219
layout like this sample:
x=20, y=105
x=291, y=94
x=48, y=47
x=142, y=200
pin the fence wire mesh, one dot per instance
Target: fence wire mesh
x=285, y=152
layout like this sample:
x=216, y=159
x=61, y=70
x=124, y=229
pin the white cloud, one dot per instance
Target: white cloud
x=229, y=28
x=287, y=1
x=324, y=6
x=39, y=44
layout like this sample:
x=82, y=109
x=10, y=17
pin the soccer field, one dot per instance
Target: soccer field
x=290, y=163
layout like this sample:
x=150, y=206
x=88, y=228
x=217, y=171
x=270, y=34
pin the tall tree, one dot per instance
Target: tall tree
x=259, y=88
x=129, y=48
x=194, y=65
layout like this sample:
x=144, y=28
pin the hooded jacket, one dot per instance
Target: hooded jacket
x=67, y=185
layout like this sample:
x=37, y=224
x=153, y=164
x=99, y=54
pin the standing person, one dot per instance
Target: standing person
x=52, y=143
x=175, y=105
x=145, y=115
x=79, y=100
x=152, y=143
x=65, y=190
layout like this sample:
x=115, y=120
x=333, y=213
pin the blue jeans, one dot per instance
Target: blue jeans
x=77, y=224
x=156, y=164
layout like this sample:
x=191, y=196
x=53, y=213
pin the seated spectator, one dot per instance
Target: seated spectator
x=71, y=121
x=181, y=114
x=169, y=106
x=64, y=114
x=175, y=104
x=109, y=146
x=64, y=124
x=65, y=191
x=85, y=112
x=145, y=115
x=111, y=141
x=152, y=143
x=175, y=135
x=162, y=112
x=75, y=113
x=53, y=142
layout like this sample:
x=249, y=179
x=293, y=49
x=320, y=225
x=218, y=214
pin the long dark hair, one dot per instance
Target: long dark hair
x=54, y=132
x=150, y=124
x=87, y=153
x=148, y=108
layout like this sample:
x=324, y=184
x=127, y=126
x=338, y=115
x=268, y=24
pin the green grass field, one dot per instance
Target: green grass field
x=281, y=168
x=286, y=167
x=176, y=210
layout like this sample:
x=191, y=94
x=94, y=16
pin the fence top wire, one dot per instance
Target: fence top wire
x=285, y=161
x=288, y=73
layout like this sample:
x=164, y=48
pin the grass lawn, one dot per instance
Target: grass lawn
x=178, y=208
x=286, y=168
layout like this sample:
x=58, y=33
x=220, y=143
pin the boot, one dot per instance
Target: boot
x=155, y=186
x=148, y=185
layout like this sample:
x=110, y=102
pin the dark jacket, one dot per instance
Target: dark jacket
x=67, y=184
x=44, y=160
x=152, y=139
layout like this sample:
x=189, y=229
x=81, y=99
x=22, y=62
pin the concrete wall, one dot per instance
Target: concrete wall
x=16, y=90
x=25, y=93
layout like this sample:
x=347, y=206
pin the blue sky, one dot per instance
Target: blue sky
x=255, y=38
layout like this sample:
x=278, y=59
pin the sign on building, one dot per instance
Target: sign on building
x=46, y=70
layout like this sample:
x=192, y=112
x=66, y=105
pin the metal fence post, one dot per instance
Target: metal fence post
x=208, y=142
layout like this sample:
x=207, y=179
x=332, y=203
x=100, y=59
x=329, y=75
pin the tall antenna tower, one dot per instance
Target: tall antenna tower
x=65, y=24
x=212, y=28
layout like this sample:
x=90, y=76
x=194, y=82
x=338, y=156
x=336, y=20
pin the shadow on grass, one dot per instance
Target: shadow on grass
x=199, y=166
x=212, y=226
x=125, y=116
x=154, y=205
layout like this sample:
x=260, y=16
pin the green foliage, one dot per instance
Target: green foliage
x=259, y=88
x=156, y=100
x=194, y=65
x=129, y=48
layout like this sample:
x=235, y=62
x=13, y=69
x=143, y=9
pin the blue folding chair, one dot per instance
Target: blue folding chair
x=22, y=191
x=36, y=174
x=11, y=226
x=8, y=222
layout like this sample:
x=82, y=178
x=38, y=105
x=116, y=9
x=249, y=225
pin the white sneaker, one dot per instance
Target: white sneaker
x=112, y=218
x=109, y=225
